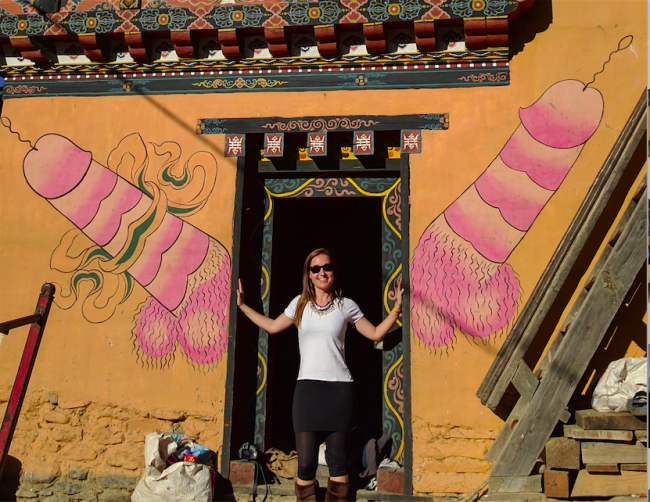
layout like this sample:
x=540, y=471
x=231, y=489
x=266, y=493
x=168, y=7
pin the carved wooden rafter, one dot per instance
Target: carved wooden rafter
x=480, y=33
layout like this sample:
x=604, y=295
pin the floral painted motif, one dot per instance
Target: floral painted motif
x=173, y=19
x=325, y=12
x=380, y=10
x=225, y=16
x=24, y=89
x=33, y=24
x=156, y=15
x=101, y=21
x=240, y=83
x=469, y=8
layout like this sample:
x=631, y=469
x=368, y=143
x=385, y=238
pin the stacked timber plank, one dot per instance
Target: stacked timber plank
x=601, y=455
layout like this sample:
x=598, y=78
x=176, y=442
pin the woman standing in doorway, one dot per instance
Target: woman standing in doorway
x=324, y=401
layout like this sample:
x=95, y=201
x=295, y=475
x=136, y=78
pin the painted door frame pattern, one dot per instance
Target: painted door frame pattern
x=246, y=173
x=389, y=190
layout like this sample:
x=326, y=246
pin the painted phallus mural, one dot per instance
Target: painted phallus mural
x=460, y=280
x=129, y=229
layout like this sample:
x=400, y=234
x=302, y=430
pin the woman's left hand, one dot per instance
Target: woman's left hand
x=398, y=291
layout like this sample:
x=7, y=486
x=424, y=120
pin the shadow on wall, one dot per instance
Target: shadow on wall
x=535, y=20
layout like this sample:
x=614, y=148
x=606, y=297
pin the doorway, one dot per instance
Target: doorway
x=358, y=214
x=352, y=229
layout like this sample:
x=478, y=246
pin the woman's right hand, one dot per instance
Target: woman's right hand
x=240, y=294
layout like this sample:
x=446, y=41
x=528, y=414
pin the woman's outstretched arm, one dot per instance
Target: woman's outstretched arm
x=378, y=333
x=271, y=326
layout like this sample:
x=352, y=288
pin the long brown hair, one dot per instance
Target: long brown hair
x=308, y=289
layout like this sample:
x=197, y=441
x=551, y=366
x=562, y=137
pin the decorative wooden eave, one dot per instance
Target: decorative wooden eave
x=138, y=37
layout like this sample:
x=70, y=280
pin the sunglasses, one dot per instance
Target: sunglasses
x=314, y=269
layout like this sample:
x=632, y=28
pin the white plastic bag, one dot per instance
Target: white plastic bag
x=180, y=482
x=622, y=379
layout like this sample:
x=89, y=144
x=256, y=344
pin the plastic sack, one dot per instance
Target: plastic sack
x=622, y=379
x=180, y=482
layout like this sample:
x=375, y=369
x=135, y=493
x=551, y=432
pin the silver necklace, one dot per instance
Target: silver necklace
x=321, y=310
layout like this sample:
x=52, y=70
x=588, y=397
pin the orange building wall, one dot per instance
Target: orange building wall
x=86, y=363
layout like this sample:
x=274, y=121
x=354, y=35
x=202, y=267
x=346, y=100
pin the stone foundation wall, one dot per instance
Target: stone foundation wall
x=450, y=459
x=66, y=450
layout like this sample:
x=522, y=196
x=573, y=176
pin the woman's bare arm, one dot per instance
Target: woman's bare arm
x=271, y=326
x=378, y=333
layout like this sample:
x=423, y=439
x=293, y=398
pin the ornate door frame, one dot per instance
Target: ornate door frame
x=389, y=189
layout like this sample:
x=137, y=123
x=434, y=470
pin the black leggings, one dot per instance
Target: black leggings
x=307, y=444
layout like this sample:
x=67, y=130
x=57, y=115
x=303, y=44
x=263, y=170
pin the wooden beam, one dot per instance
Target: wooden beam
x=575, y=432
x=545, y=293
x=515, y=484
x=562, y=453
x=606, y=485
x=635, y=467
x=524, y=381
x=506, y=431
x=607, y=420
x=608, y=453
x=556, y=484
x=581, y=341
x=602, y=468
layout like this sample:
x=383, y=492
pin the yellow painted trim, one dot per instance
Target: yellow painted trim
x=267, y=282
x=263, y=379
x=399, y=419
x=390, y=279
x=383, y=210
x=292, y=192
x=370, y=194
x=270, y=196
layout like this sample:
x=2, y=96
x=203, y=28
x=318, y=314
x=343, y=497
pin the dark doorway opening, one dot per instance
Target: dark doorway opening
x=351, y=228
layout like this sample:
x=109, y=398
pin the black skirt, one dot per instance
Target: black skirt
x=324, y=406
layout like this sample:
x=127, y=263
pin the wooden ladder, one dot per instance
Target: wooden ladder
x=37, y=320
x=542, y=403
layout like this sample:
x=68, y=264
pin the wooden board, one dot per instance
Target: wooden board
x=524, y=381
x=635, y=467
x=606, y=485
x=602, y=468
x=642, y=435
x=556, y=484
x=511, y=497
x=575, y=432
x=562, y=453
x=599, y=420
x=609, y=453
x=515, y=484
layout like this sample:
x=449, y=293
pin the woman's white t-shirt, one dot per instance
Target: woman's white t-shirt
x=321, y=339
